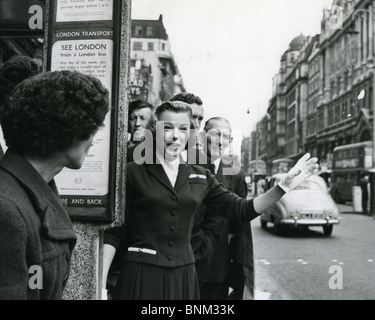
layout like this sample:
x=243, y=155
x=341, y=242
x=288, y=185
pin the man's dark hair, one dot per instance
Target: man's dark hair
x=187, y=97
x=139, y=104
x=207, y=123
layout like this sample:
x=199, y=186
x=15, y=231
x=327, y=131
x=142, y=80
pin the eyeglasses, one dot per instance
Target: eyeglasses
x=217, y=135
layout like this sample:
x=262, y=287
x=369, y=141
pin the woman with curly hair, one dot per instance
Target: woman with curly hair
x=49, y=123
x=12, y=72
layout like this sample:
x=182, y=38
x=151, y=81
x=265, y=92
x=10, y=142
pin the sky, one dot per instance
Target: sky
x=228, y=51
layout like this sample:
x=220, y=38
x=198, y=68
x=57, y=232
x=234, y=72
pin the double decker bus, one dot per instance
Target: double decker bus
x=349, y=162
x=282, y=165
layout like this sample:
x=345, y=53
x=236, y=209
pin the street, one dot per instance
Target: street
x=296, y=266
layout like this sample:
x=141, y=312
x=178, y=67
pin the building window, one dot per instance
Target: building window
x=345, y=110
x=351, y=108
x=163, y=46
x=321, y=123
x=137, y=46
x=337, y=113
x=291, y=131
x=330, y=116
x=281, y=129
x=292, y=113
x=370, y=98
x=149, y=32
x=312, y=127
x=291, y=97
x=138, y=30
x=150, y=46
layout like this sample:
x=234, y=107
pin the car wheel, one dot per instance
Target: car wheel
x=328, y=230
x=263, y=224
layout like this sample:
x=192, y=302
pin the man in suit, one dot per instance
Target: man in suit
x=196, y=106
x=206, y=232
x=231, y=267
x=363, y=182
x=141, y=113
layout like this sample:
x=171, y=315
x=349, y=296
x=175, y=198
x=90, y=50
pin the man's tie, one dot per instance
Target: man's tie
x=212, y=168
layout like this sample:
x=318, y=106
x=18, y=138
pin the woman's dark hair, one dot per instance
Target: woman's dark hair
x=47, y=113
x=174, y=106
x=14, y=71
x=187, y=97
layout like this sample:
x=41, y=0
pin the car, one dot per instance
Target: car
x=309, y=204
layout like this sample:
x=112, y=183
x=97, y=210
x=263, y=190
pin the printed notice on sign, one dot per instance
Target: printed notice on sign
x=93, y=57
x=84, y=10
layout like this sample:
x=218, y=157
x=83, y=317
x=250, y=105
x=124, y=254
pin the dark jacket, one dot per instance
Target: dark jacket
x=207, y=230
x=35, y=230
x=240, y=246
x=160, y=217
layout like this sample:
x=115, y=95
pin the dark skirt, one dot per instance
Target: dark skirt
x=138, y=281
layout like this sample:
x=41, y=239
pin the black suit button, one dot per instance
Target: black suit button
x=170, y=258
x=173, y=213
x=172, y=228
x=173, y=198
x=171, y=243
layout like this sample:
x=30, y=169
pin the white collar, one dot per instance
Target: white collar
x=172, y=165
x=217, y=164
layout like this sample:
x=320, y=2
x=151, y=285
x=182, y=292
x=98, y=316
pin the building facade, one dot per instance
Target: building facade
x=154, y=75
x=323, y=93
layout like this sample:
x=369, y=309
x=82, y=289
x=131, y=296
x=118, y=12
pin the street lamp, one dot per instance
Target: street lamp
x=254, y=170
x=372, y=67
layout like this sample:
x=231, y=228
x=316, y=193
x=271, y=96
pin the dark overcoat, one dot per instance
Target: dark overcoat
x=235, y=241
x=36, y=234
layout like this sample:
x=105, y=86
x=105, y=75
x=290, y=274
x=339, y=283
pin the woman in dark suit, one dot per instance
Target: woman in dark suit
x=49, y=123
x=162, y=199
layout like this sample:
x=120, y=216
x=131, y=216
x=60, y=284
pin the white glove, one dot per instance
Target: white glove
x=104, y=294
x=303, y=169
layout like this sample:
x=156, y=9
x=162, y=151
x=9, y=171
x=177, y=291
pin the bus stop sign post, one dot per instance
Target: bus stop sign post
x=372, y=191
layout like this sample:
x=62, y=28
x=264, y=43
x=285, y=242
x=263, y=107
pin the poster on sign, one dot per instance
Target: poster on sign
x=93, y=57
x=82, y=38
x=84, y=10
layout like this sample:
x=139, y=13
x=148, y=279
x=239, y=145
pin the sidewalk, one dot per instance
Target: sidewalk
x=346, y=208
x=349, y=208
